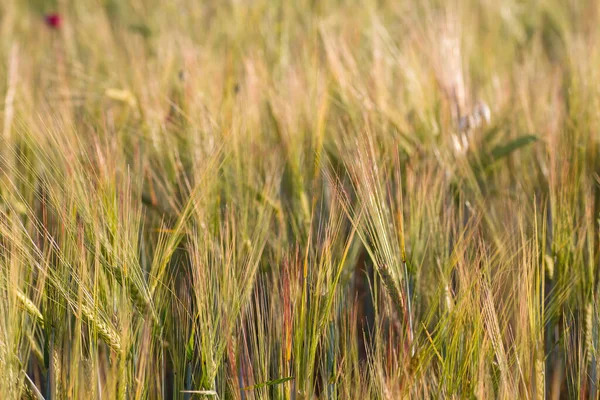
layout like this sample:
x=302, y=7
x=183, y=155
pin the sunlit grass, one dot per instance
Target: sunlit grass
x=298, y=200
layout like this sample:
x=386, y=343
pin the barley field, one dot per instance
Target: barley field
x=309, y=199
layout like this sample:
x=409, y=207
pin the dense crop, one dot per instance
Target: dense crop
x=299, y=199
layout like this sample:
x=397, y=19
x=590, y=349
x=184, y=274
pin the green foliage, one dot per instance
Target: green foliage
x=501, y=151
x=299, y=200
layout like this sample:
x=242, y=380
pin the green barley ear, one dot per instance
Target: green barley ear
x=102, y=328
x=540, y=383
x=589, y=326
x=549, y=264
x=122, y=385
x=189, y=348
x=448, y=296
x=30, y=307
x=393, y=291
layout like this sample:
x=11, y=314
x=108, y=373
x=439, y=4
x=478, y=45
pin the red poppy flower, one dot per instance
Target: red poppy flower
x=53, y=20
